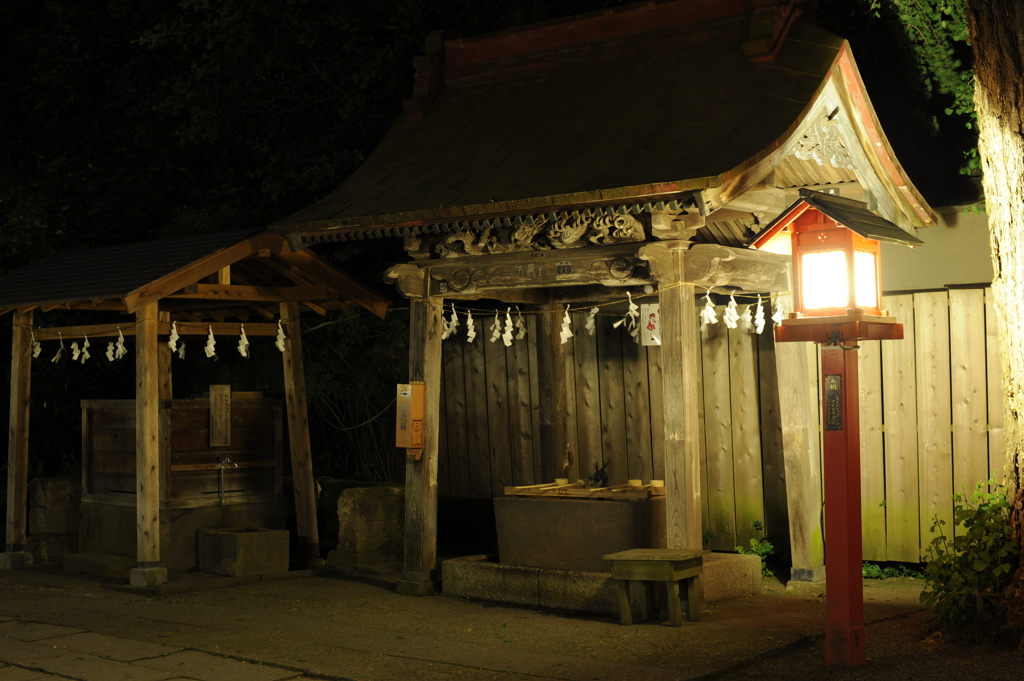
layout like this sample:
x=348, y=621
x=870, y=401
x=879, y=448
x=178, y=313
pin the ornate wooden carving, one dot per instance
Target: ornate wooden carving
x=408, y=279
x=541, y=233
x=824, y=144
x=675, y=225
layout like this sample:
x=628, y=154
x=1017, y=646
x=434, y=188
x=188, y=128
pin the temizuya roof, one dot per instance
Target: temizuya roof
x=127, y=277
x=645, y=103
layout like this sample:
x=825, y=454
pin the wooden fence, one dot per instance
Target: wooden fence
x=926, y=425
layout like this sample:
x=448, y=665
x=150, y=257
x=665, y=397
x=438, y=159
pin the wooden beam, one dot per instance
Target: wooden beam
x=421, y=475
x=325, y=273
x=314, y=307
x=147, y=448
x=713, y=265
x=553, y=398
x=163, y=357
x=195, y=271
x=680, y=396
x=224, y=276
x=269, y=294
x=17, y=450
x=298, y=435
x=589, y=265
x=164, y=327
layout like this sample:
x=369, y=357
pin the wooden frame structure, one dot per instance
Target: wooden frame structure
x=516, y=174
x=195, y=284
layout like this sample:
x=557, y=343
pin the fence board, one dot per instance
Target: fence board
x=776, y=513
x=746, y=436
x=899, y=399
x=517, y=359
x=478, y=439
x=718, y=437
x=872, y=459
x=640, y=463
x=588, y=401
x=935, y=446
x=967, y=388
x=654, y=379
x=453, y=371
x=702, y=448
x=444, y=487
x=571, y=439
x=498, y=441
x=531, y=343
x=994, y=372
x=613, y=418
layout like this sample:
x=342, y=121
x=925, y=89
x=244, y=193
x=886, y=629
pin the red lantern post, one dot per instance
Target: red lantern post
x=837, y=302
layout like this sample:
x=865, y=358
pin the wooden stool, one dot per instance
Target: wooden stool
x=660, y=565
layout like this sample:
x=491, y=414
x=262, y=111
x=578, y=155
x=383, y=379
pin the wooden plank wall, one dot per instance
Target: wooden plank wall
x=931, y=419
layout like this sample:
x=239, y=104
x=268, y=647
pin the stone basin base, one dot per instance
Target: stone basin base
x=726, y=575
x=241, y=551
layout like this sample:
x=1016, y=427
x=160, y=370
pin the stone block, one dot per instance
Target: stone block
x=796, y=587
x=152, y=576
x=15, y=560
x=110, y=528
x=371, y=504
x=55, y=491
x=731, y=575
x=98, y=564
x=53, y=519
x=476, y=577
x=573, y=534
x=594, y=592
x=241, y=551
x=50, y=548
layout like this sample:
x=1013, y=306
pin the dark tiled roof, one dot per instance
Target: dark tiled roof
x=677, y=106
x=108, y=273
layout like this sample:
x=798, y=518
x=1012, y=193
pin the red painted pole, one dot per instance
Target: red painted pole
x=844, y=602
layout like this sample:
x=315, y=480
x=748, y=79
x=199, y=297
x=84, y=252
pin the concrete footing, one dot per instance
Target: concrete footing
x=14, y=560
x=725, y=576
x=153, y=576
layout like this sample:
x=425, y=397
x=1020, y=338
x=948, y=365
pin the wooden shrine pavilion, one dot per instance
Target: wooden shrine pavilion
x=193, y=286
x=578, y=159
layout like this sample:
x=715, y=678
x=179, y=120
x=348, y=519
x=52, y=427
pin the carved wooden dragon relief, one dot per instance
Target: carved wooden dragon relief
x=568, y=230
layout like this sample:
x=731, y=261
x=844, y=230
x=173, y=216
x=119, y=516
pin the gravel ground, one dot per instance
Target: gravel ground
x=903, y=647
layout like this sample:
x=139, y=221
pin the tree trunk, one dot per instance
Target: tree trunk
x=997, y=37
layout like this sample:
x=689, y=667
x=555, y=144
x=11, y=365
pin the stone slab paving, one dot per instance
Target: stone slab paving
x=20, y=674
x=91, y=668
x=31, y=631
x=110, y=647
x=15, y=651
x=213, y=668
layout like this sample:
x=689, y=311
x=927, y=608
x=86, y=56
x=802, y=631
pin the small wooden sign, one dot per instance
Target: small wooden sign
x=220, y=415
x=833, y=402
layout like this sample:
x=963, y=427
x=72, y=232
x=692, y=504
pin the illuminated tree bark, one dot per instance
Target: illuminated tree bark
x=997, y=38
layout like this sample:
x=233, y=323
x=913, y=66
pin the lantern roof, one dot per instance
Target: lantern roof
x=854, y=215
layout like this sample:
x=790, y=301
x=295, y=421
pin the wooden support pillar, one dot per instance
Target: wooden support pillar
x=421, y=476
x=680, y=364
x=163, y=356
x=298, y=437
x=148, y=571
x=797, y=367
x=553, y=398
x=14, y=555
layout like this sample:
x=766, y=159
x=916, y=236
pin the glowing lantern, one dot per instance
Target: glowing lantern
x=835, y=246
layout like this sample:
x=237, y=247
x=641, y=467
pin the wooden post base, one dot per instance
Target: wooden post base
x=152, y=576
x=15, y=560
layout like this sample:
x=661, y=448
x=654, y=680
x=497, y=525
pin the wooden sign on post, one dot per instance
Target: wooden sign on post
x=220, y=415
